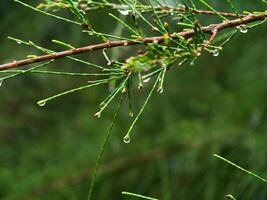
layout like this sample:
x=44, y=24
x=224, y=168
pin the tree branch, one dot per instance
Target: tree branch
x=206, y=29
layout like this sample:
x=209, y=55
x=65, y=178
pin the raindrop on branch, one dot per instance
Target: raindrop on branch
x=41, y=103
x=140, y=86
x=192, y=63
x=160, y=90
x=131, y=114
x=127, y=139
x=242, y=28
x=1, y=83
x=98, y=114
x=124, y=12
x=216, y=52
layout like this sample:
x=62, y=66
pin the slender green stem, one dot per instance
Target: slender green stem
x=63, y=44
x=233, y=8
x=231, y=197
x=142, y=108
x=109, y=99
x=60, y=73
x=46, y=13
x=124, y=24
x=240, y=168
x=101, y=153
x=138, y=195
x=44, y=101
x=21, y=72
x=211, y=8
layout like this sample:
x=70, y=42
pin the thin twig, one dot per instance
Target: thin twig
x=240, y=168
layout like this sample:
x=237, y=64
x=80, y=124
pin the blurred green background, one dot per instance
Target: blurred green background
x=218, y=106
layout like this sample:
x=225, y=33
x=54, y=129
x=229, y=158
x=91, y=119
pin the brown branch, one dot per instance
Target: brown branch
x=209, y=12
x=212, y=37
x=207, y=29
x=166, y=8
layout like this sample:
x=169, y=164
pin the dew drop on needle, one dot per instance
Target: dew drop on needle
x=41, y=103
x=98, y=114
x=160, y=90
x=131, y=114
x=124, y=12
x=216, y=52
x=127, y=139
x=140, y=86
x=242, y=28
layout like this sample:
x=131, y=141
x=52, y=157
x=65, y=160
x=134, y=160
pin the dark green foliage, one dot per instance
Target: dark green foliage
x=217, y=106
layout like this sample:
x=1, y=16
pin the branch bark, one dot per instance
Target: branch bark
x=206, y=29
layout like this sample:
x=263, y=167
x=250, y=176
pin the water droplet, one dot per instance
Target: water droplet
x=124, y=12
x=216, y=52
x=98, y=114
x=229, y=196
x=140, y=86
x=124, y=90
x=160, y=90
x=127, y=139
x=242, y=28
x=1, y=83
x=19, y=42
x=41, y=103
x=146, y=80
x=180, y=63
x=192, y=63
x=131, y=114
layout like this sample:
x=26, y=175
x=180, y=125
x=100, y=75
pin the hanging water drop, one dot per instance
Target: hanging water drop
x=242, y=28
x=216, y=52
x=140, y=86
x=160, y=90
x=1, y=83
x=192, y=63
x=127, y=139
x=124, y=90
x=146, y=80
x=131, y=114
x=124, y=12
x=41, y=103
x=98, y=114
x=19, y=42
